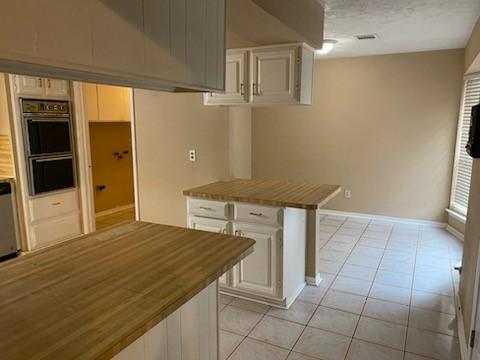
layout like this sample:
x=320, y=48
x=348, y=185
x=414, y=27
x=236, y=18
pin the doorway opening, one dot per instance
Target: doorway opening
x=108, y=111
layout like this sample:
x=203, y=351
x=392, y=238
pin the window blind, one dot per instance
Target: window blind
x=463, y=162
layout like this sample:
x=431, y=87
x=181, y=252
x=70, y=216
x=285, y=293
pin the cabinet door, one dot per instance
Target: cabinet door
x=259, y=273
x=236, y=82
x=56, y=88
x=212, y=225
x=113, y=103
x=274, y=76
x=29, y=85
x=90, y=101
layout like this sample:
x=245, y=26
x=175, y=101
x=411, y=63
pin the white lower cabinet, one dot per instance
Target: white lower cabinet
x=212, y=225
x=260, y=273
x=53, y=218
x=275, y=272
x=190, y=333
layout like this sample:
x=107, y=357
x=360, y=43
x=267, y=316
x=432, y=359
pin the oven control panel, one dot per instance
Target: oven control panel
x=45, y=106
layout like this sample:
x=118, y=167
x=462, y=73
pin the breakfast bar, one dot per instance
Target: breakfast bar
x=132, y=291
x=282, y=217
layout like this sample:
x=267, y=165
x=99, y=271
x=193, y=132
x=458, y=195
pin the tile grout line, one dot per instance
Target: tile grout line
x=328, y=288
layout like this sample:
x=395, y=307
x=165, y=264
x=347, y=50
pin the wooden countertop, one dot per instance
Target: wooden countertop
x=90, y=297
x=268, y=192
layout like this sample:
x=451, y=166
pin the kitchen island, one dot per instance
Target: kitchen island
x=132, y=291
x=282, y=217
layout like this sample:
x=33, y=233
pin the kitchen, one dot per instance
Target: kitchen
x=183, y=141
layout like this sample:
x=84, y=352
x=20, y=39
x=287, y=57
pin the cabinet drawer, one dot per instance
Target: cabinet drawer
x=54, y=231
x=258, y=214
x=53, y=205
x=208, y=208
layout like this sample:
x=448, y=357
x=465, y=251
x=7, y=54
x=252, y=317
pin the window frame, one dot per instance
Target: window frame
x=452, y=206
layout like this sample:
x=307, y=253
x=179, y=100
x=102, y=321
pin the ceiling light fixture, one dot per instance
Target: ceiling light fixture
x=328, y=45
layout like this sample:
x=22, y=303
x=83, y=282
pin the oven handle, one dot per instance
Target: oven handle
x=56, y=118
x=69, y=157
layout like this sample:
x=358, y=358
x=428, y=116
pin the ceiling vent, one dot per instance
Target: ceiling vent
x=366, y=37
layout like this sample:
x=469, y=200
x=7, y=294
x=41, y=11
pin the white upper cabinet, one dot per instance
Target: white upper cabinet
x=41, y=87
x=29, y=85
x=153, y=44
x=236, y=81
x=55, y=87
x=263, y=76
x=274, y=76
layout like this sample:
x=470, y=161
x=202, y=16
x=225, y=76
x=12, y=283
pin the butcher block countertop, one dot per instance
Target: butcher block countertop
x=91, y=297
x=268, y=192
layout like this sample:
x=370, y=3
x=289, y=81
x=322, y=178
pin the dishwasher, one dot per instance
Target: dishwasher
x=8, y=224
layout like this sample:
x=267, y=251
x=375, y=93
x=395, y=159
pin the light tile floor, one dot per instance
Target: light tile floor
x=116, y=218
x=387, y=294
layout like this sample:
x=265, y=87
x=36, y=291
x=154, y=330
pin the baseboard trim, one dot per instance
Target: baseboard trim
x=313, y=281
x=464, y=350
x=399, y=220
x=455, y=232
x=114, y=210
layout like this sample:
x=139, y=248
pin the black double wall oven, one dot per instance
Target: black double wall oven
x=48, y=145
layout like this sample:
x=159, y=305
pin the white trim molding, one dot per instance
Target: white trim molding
x=462, y=340
x=455, y=232
x=114, y=210
x=457, y=216
x=399, y=220
x=313, y=281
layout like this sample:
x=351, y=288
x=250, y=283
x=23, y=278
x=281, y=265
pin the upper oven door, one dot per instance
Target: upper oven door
x=48, y=135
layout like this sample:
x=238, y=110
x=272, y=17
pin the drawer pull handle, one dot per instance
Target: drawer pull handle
x=56, y=203
x=256, y=214
x=206, y=208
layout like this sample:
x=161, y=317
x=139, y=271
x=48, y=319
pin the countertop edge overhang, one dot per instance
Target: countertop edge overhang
x=268, y=192
x=91, y=297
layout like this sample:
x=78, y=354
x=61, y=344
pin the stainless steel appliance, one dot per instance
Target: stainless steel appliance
x=48, y=145
x=8, y=225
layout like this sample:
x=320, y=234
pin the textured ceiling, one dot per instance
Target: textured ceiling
x=401, y=25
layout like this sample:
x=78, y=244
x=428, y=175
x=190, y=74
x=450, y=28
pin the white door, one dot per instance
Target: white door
x=236, y=82
x=29, y=85
x=274, y=76
x=259, y=273
x=56, y=88
x=212, y=225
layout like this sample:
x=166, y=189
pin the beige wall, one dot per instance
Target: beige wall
x=107, y=138
x=4, y=117
x=240, y=142
x=167, y=126
x=472, y=50
x=382, y=126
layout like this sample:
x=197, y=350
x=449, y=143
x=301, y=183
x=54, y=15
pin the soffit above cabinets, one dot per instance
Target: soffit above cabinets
x=267, y=22
x=152, y=44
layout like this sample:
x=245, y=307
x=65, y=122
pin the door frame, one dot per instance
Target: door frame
x=84, y=158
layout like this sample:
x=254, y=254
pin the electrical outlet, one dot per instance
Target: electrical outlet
x=192, y=155
x=348, y=194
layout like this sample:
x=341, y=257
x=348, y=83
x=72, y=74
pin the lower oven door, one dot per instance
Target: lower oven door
x=50, y=174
